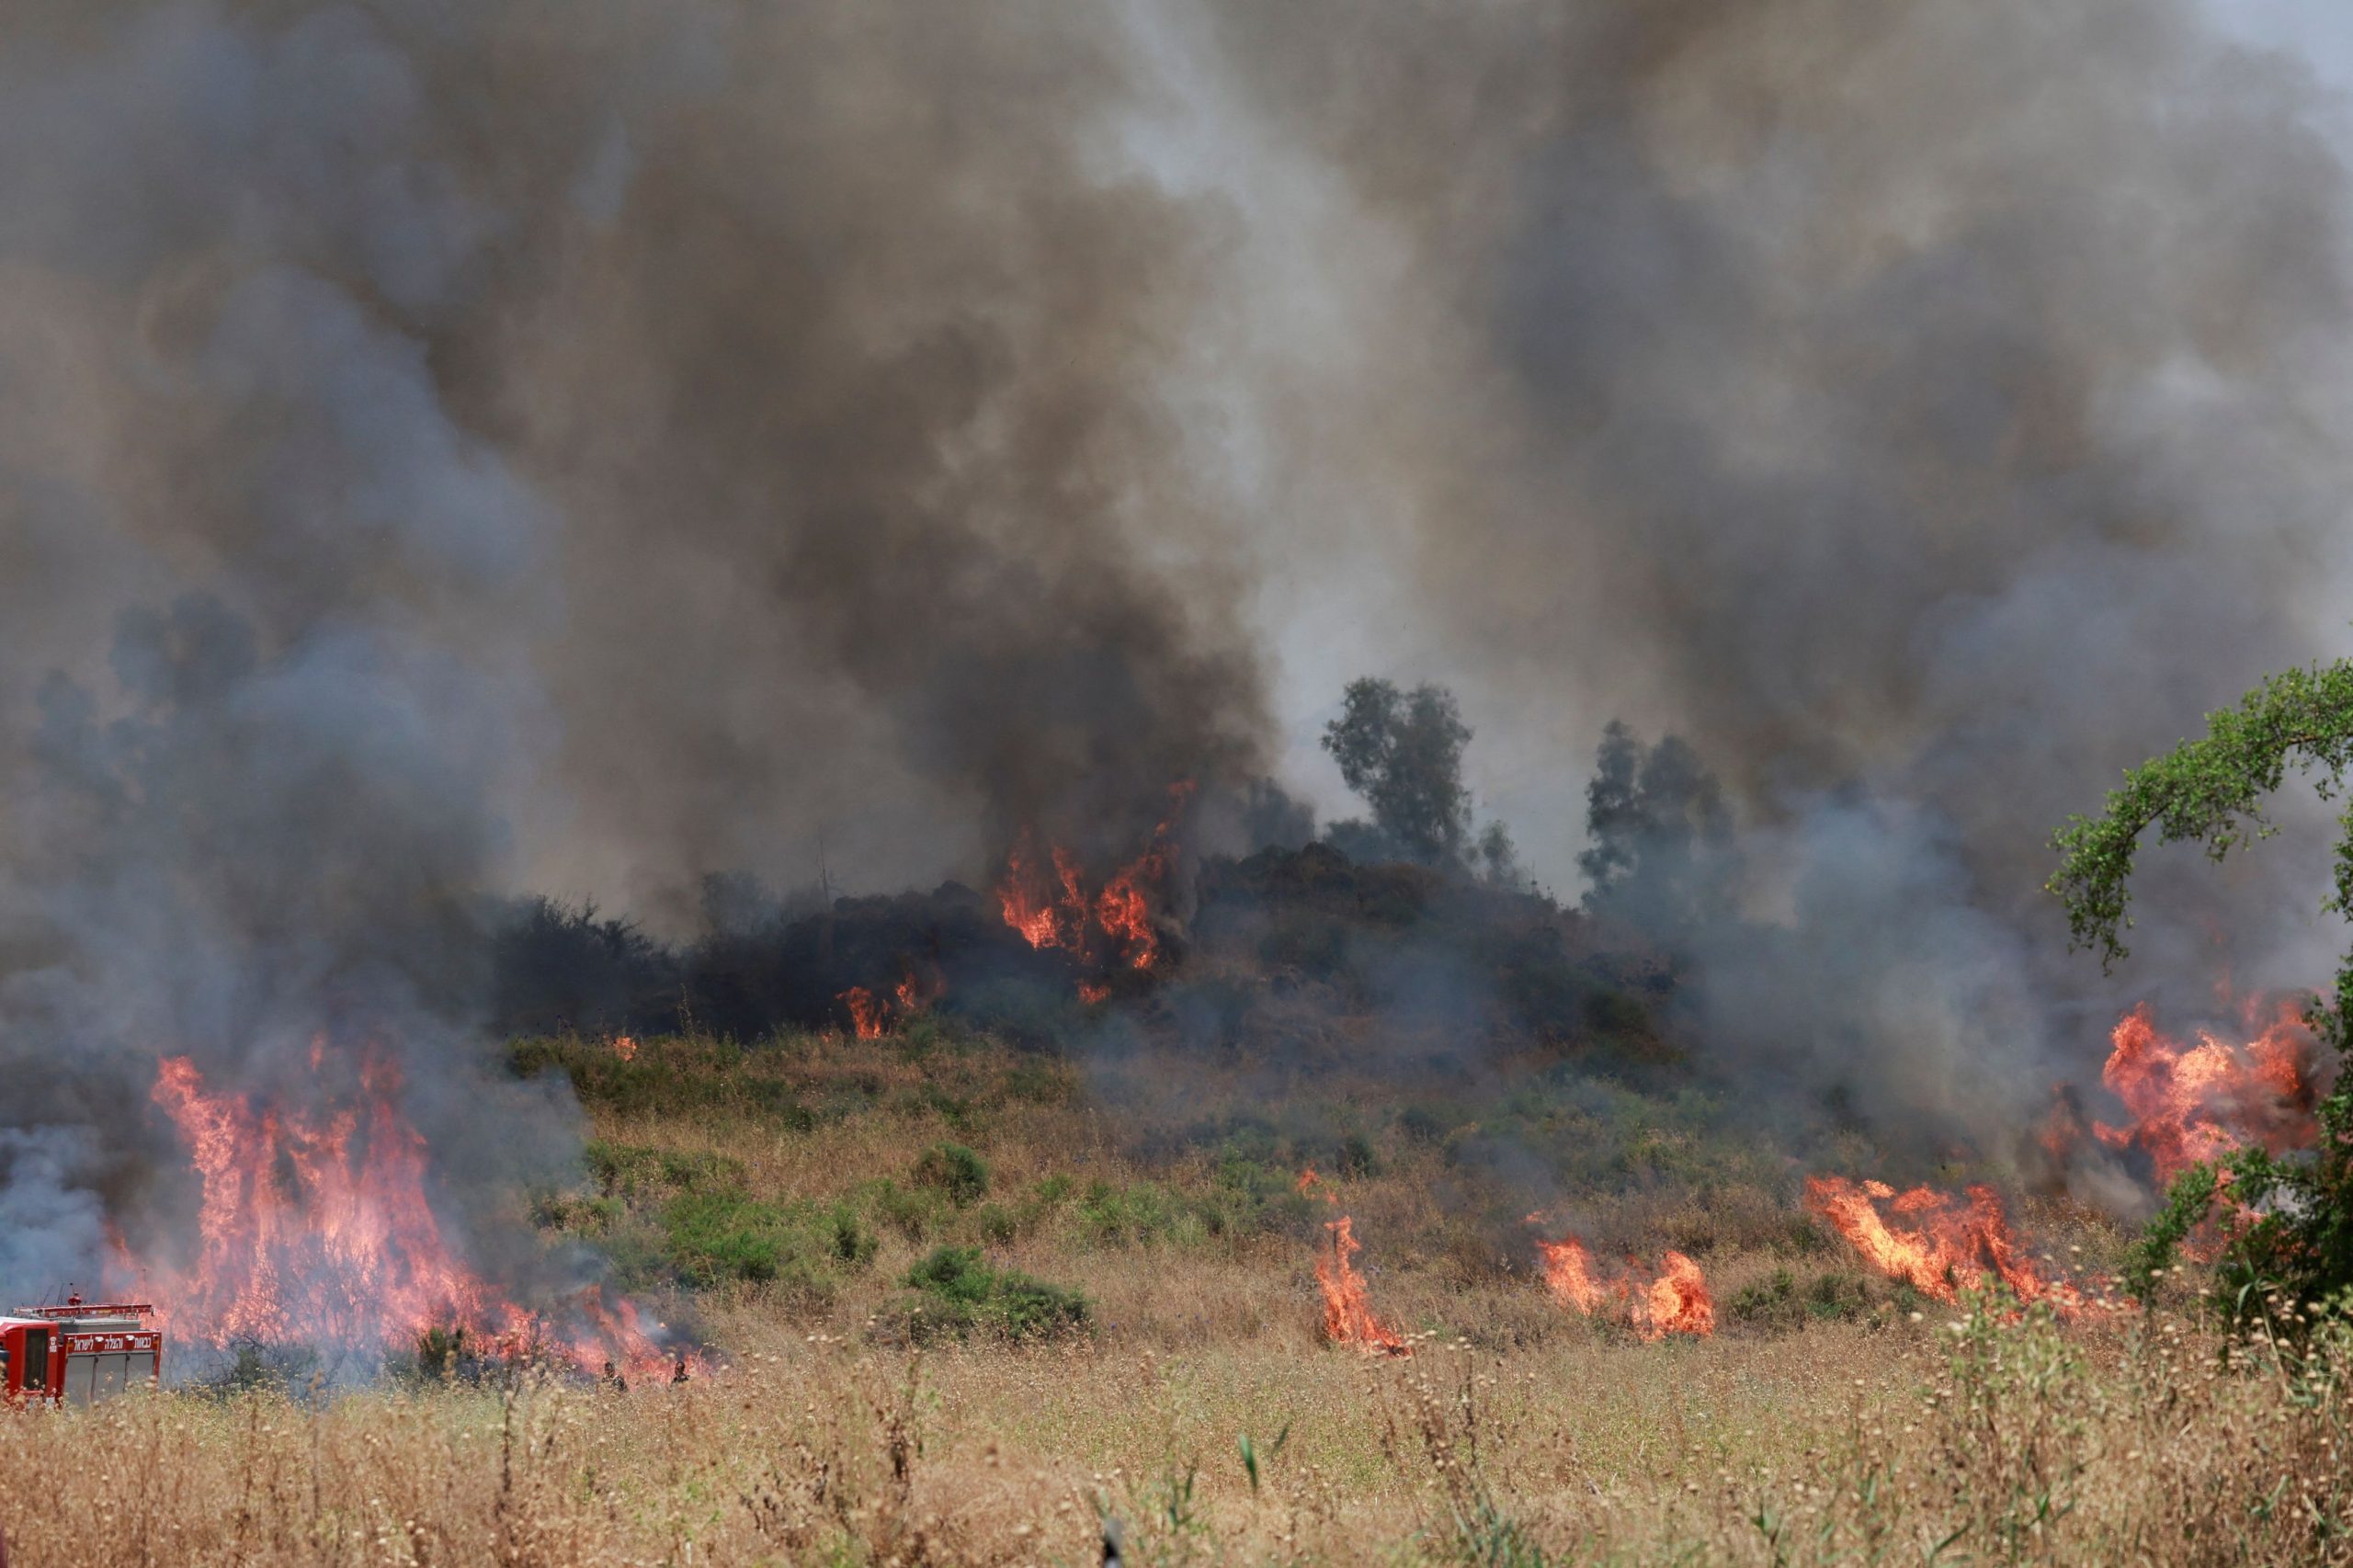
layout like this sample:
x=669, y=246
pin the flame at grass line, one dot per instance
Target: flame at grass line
x=1672, y=1300
x=1348, y=1314
x=314, y=1228
x=1939, y=1244
x=625, y=1047
x=871, y=1014
x=866, y=1015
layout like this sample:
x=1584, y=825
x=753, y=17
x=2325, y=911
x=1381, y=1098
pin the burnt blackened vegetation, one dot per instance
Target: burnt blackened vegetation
x=1437, y=963
x=1281, y=946
x=568, y=969
x=1415, y=950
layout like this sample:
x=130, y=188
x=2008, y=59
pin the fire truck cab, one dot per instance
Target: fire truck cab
x=77, y=1354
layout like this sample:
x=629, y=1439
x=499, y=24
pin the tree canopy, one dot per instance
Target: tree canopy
x=1661, y=839
x=2212, y=791
x=1403, y=752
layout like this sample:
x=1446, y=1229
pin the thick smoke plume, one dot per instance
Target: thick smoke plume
x=450, y=450
x=1926, y=410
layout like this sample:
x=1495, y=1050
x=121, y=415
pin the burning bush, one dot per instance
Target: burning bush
x=2292, y=1226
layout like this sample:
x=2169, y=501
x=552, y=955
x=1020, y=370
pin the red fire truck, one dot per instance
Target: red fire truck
x=77, y=1354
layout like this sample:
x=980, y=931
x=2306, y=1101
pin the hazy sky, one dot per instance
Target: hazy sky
x=2321, y=30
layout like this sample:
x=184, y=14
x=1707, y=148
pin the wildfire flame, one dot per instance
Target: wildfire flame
x=314, y=1227
x=625, y=1047
x=1049, y=912
x=871, y=1014
x=1939, y=1244
x=866, y=1013
x=2193, y=1104
x=1112, y=925
x=1347, y=1316
x=1673, y=1300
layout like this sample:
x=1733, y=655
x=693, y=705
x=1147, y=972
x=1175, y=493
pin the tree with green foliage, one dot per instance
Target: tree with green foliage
x=1403, y=752
x=2210, y=791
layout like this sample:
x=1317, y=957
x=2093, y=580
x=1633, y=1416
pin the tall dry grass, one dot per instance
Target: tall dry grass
x=1518, y=1434
x=1995, y=1441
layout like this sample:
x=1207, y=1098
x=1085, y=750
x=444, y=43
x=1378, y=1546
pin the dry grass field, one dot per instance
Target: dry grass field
x=1828, y=1420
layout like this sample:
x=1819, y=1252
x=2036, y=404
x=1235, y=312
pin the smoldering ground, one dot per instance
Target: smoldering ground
x=588, y=446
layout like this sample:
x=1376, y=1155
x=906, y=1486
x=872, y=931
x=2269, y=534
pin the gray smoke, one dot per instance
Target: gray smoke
x=448, y=449
x=1927, y=410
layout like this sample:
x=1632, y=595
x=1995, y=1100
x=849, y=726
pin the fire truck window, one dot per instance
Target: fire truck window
x=36, y=1359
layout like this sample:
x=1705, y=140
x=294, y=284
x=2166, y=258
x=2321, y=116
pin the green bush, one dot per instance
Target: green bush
x=667, y=1077
x=1137, y=1215
x=956, y=1294
x=632, y=1170
x=996, y=1223
x=913, y=1213
x=953, y=1169
x=1040, y=1082
x=933, y=1099
x=1779, y=1302
x=713, y=1237
x=2287, y=1220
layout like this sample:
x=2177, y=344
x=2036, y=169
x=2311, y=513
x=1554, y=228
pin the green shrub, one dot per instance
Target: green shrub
x=953, y=1169
x=996, y=1223
x=1040, y=1082
x=956, y=1294
x=711, y=1237
x=913, y=1213
x=1779, y=1302
x=667, y=1077
x=934, y=1099
x=1137, y=1215
x=632, y=1170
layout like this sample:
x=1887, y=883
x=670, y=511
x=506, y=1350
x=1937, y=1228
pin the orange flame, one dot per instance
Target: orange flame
x=1348, y=1317
x=1944, y=1246
x=625, y=1048
x=1674, y=1300
x=1048, y=913
x=1091, y=993
x=2198, y=1103
x=865, y=1012
x=314, y=1227
x=1059, y=913
x=1568, y=1274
